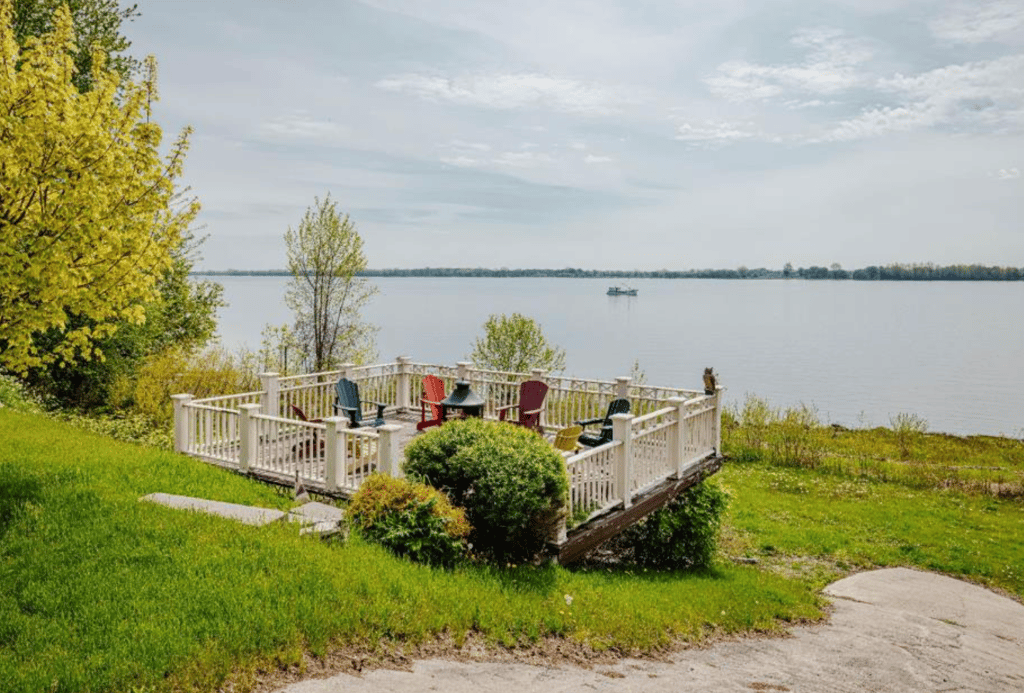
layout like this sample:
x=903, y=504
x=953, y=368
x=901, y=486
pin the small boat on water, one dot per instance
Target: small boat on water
x=621, y=291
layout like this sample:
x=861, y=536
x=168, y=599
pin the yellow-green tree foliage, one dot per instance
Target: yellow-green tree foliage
x=86, y=224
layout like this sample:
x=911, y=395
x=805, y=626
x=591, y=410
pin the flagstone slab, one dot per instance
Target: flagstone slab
x=245, y=514
x=316, y=513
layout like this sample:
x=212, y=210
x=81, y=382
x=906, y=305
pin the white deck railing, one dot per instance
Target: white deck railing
x=667, y=430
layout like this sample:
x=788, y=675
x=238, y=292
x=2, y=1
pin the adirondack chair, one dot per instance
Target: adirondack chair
x=530, y=405
x=433, y=393
x=617, y=406
x=567, y=440
x=349, y=403
x=313, y=446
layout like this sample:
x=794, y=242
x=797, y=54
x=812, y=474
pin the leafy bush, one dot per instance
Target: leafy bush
x=409, y=519
x=14, y=395
x=908, y=430
x=124, y=426
x=213, y=371
x=683, y=533
x=795, y=438
x=511, y=482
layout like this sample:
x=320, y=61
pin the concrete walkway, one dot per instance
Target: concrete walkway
x=891, y=630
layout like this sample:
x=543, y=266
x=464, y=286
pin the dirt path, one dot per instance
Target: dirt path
x=891, y=630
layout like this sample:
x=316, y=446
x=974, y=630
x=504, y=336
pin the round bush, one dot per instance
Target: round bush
x=683, y=533
x=511, y=482
x=409, y=519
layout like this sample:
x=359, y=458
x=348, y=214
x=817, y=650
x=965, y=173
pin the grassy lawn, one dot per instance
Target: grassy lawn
x=101, y=592
x=819, y=526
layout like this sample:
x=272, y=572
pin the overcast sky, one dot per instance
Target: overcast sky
x=626, y=134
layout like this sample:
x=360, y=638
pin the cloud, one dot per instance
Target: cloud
x=595, y=159
x=523, y=159
x=460, y=161
x=300, y=125
x=510, y=91
x=977, y=22
x=830, y=67
x=470, y=146
x=986, y=95
x=716, y=133
x=1008, y=173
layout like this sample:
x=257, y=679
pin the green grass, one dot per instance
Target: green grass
x=101, y=592
x=820, y=526
x=904, y=454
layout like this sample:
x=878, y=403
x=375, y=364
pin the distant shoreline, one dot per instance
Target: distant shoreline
x=894, y=272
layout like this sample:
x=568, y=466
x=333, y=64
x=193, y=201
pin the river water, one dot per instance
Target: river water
x=859, y=352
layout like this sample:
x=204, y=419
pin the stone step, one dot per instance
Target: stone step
x=316, y=518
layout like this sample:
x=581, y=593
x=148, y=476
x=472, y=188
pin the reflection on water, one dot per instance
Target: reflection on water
x=857, y=351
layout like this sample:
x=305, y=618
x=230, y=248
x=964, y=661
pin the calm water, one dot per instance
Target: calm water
x=952, y=352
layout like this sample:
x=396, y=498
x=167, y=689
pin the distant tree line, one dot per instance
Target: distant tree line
x=893, y=272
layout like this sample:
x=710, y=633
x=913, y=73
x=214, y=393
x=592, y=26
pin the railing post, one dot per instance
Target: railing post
x=462, y=370
x=537, y=374
x=270, y=399
x=387, y=450
x=622, y=388
x=247, y=429
x=332, y=460
x=677, y=440
x=402, y=384
x=622, y=430
x=181, y=420
x=719, y=396
x=344, y=369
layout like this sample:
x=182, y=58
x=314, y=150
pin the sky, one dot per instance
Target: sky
x=601, y=134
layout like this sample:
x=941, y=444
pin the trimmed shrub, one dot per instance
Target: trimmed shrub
x=511, y=482
x=409, y=519
x=683, y=533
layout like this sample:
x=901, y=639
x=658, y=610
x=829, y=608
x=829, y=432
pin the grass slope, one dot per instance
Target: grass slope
x=101, y=592
x=822, y=525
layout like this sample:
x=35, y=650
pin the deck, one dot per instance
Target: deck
x=670, y=441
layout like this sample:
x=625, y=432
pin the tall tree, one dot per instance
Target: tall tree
x=516, y=343
x=87, y=224
x=325, y=253
x=97, y=26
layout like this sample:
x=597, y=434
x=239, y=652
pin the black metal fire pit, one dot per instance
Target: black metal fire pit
x=463, y=400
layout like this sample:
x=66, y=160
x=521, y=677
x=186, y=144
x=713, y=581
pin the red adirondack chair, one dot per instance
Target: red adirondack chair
x=313, y=446
x=433, y=393
x=531, y=405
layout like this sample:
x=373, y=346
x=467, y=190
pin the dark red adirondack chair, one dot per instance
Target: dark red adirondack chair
x=314, y=446
x=433, y=393
x=531, y=405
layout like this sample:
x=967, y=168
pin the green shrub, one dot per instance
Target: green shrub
x=511, y=482
x=908, y=429
x=795, y=439
x=409, y=519
x=683, y=533
x=210, y=372
x=13, y=394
